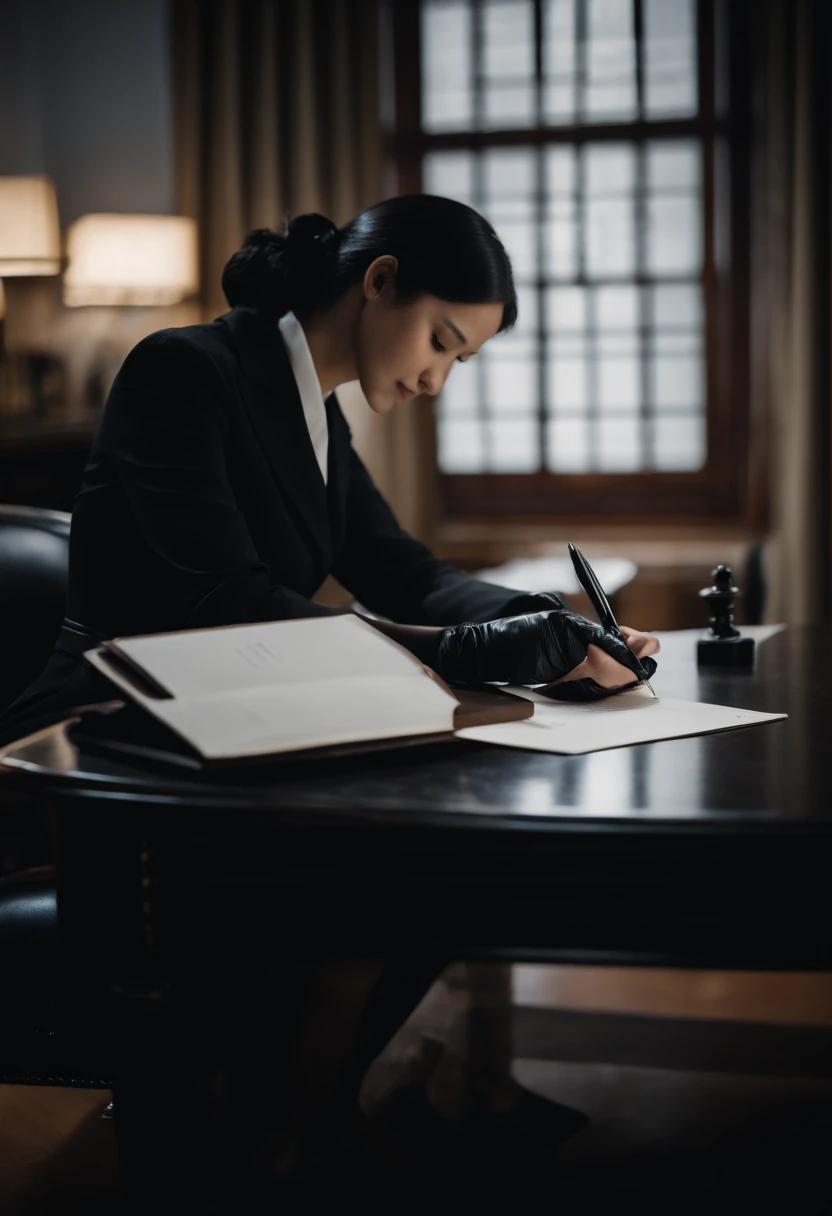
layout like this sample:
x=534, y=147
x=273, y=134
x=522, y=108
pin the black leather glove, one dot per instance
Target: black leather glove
x=532, y=649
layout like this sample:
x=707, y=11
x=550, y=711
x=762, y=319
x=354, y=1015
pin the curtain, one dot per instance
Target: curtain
x=277, y=111
x=795, y=287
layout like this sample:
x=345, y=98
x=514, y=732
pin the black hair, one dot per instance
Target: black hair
x=443, y=248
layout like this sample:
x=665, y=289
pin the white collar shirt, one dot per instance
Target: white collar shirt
x=309, y=387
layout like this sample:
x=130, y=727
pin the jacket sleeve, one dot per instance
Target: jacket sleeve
x=396, y=576
x=163, y=430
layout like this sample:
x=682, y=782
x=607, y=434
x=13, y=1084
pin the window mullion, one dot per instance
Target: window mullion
x=481, y=366
x=590, y=330
x=638, y=34
x=646, y=428
x=539, y=220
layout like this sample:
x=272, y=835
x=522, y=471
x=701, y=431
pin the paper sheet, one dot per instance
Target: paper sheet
x=632, y=717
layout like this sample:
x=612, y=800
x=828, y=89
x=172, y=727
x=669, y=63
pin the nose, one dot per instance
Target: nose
x=432, y=380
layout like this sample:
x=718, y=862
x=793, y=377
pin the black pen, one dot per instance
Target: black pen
x=589, y=582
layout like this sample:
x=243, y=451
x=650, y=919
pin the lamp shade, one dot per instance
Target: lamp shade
x=30, y=236
x=131, y=259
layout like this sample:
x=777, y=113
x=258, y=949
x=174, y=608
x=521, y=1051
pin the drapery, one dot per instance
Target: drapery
x=794, y=288
x=277, y=111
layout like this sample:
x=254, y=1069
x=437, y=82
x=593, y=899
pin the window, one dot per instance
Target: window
x=587, y=132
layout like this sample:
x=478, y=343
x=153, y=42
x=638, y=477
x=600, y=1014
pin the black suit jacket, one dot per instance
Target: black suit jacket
x=202, y=502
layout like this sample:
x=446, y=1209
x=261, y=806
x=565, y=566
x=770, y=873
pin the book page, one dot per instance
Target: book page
x=269, y=721
x=200, y=662
x=620, y=721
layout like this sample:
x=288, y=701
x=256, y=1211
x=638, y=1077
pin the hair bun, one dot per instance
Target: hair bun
x=276, y=271
x=312, y=230
x=264, y=238
x=312, y=240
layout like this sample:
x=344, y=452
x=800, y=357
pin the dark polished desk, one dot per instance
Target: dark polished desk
x=711, y=851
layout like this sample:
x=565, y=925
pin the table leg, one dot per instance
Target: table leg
x=166, y=1118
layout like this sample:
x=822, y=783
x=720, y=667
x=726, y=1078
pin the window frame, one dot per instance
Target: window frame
x=729, y=486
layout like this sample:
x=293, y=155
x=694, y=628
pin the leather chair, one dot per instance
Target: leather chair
x=37, y=1045
x=34, y=560
x=40, y=1044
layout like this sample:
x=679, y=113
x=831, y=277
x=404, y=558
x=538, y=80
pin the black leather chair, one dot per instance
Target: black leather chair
x=37, y=1045
x=41, y=1041
x=34, y=558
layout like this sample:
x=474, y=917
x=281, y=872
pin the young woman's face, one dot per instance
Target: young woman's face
x=406, y=349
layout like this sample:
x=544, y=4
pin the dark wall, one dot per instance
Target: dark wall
x=85, y=97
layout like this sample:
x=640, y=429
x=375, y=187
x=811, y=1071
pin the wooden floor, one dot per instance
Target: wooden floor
x=56, y=1152
x=695, y=1083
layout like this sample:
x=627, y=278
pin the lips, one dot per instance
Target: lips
x=404, y=391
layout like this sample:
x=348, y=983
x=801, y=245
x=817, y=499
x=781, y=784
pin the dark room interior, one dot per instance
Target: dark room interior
x=349, y=847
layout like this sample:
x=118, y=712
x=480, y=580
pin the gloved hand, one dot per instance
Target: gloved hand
x=532, y=649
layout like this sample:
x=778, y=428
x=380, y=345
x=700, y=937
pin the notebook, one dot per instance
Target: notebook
x=259, y=690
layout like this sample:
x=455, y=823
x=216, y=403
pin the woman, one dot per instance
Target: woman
x=222, y=486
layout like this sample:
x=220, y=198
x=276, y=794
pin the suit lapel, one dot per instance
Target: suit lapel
x=338, y=470
x=273, y=404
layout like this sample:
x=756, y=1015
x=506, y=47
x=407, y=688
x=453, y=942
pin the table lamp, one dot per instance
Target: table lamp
x=30, y=246
x=127, y=261
x=30, y=237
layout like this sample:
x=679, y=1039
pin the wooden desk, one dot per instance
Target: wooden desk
x=710, y=851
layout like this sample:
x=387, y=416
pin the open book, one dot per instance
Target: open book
x=285, y=686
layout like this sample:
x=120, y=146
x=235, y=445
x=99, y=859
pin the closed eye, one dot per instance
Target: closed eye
x=437, y=345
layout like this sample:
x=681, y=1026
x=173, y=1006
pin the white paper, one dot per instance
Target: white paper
x=283, y=686
x=199, y=662
x=620, y=721
x=273, y=720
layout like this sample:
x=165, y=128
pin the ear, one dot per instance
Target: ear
x=380, y=277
